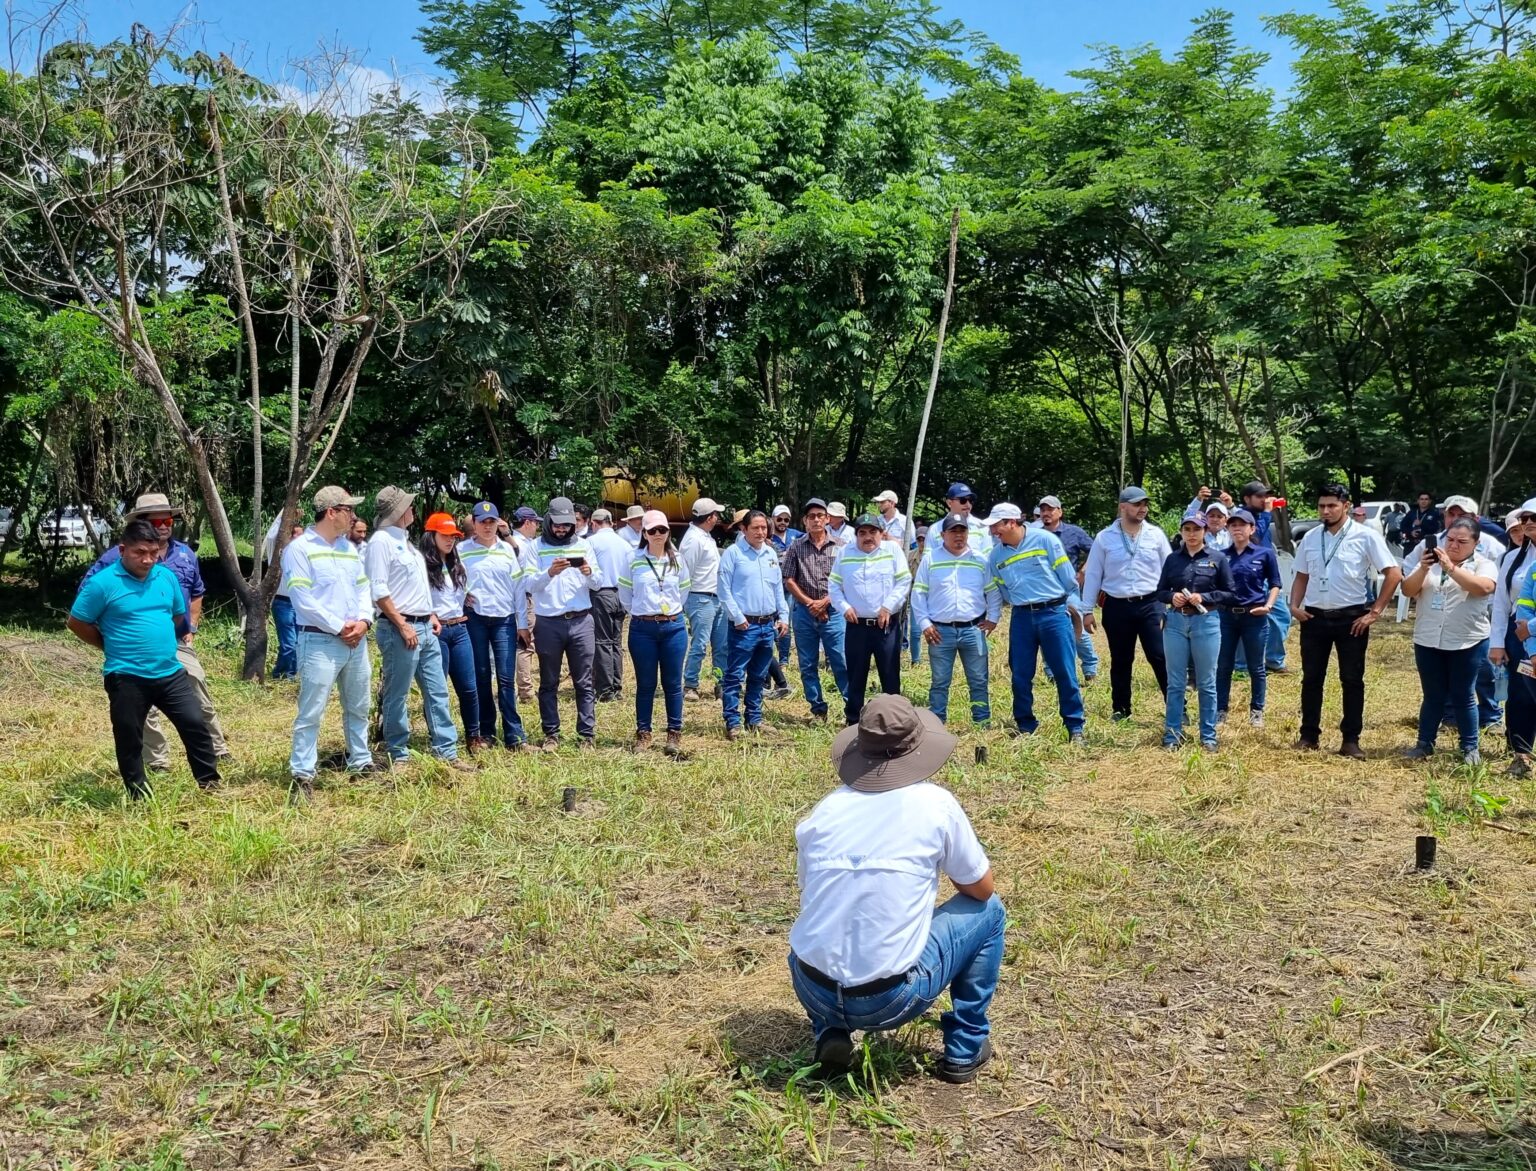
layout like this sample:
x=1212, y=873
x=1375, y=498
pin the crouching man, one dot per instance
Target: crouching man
x=869, y=951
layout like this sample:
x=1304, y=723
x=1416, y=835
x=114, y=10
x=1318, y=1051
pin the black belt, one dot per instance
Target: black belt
x=318, y=630
x=1240, y=610
x=1133, y=598
x=606, y=590
x=863, y=621
x=701, y=593
x=873, y=988
x=573, y=613
x=422, y=618
x=1356, y=609
x=976, y=621
x=761, y=619
x=1051, y=605
x=655, y=617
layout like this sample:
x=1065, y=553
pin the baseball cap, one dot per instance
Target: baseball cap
x=704, y=506
x=814, y=502
x=653, y=519
x=333, y=497
x=869, y=521
x=1465, y=503
x=781, y=510
x=603, y=516
x=634, y=511
x=953, y=521
x=1132, y=495
x=1243, y=515
x=1002, y=512
x=562, y=511
x=959, y=492
x=838, y=508
x=1255, y=488
x=1217, y=506
x=1193, y=517
x=443, y=522
x=1049, y=502
x=485, y=509
x=523, y=515
x=887, y=495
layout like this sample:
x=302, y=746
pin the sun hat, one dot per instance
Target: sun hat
x=562, y=511
x=390, y=505
x=888, y=495
x=333, y=497
x=442, y=522
x=958, y=491
x=485, y=510
x=653, y=519
x=1049, y=502
x=1133, y=495
x=704, y=506
x=893, y=745
x=152, y=502
x=838, y=508
x=738, y=516
x=1001, y=512
x=633, y=511
x=869, y=521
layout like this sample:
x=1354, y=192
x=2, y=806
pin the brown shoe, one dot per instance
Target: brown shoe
x=459, y=765
x=549, y=744
x=642, y=741
x=1303, y=744
x=1352, y=749
x=733, y=732
x=478, y=744
x=587, y=743
x=674, y=747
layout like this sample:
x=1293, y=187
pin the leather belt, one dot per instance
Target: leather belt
x=872, y=988
x=761, y=619
x=419, y=619
x=976, y=621
x=1051, y=605
x=701, y=593
x=318, y=630
x=1133, y=598
x=1241, y=610
x=453, y=621
x=655, y=617
x=573, y=613
x=863, y=622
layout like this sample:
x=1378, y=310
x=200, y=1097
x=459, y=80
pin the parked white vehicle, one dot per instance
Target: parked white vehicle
x=72, y=528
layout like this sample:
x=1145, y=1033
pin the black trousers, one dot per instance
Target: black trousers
x=1124, y=623
x=1520, y=711
x=860, y=645
x=1322, y=634
x=608, y=630
x=129, y=698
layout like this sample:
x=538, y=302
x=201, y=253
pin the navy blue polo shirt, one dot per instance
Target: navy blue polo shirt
x=1255, y=571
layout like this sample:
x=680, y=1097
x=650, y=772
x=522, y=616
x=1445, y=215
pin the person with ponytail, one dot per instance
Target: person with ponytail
x=449, y=583
x=652, y=591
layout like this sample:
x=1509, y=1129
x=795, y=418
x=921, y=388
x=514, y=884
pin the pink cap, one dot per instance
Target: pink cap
x=655, y=518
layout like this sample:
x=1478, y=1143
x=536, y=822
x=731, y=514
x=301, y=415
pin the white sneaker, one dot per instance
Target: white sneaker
x=1255, y=719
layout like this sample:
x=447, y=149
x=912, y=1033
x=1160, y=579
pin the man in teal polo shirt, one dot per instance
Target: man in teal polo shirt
x=129, y=611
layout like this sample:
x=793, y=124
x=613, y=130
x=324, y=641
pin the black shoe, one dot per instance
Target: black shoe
x=301, y=790
x=959, y=1073
x=1120, y=717
x=834, y=1052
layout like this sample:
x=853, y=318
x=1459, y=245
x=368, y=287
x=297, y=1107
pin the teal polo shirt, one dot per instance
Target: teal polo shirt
x=136, y=619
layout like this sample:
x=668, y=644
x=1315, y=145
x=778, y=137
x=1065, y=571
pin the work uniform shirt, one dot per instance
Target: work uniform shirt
x=1035, y=570
x=1516, y=566
x=842, y=534
x=137, y=619
x=1220, y=541
x=1340, y=569
x=782, y=544
x=1206, y=573
x=1254, y=572
x=701, y=558
x=447, y=598
x=1487, y=546
x=950, y=587
x=869, y=582
x=613, y=554
x=568, y=590
x=896, y=528
x=810, y=567
x=178, y=557
x=979, y=537
x=752, y=583
x=326, y=582
x=654, y=585
x=1123, y=567
x=398, y=571
x=1448, y=618
x=868, y=866
x=633, y=537
x=497, y=579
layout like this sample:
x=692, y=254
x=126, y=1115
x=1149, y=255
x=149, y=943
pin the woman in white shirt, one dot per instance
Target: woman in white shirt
x=1450, y=634
x=1504, y=645
x=448, y=582
x=652, y=590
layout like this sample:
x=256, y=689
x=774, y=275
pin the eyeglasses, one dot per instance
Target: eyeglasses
x=657, y=531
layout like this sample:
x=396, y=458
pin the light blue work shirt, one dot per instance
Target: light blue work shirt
x=1035, y=570
x=751, y=582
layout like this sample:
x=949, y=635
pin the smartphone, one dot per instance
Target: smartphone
x=577, y=562
x=1429, y=542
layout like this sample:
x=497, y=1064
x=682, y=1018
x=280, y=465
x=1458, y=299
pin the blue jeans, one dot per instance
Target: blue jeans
x=495, y=640
x=784, y=645
x=326, y=662
x=708, y=626
x=1279, y=627
x=1248, y=633
x=287, y=665
x=914, y=637
x=459, y=662
x=971, y=645
x=811, y=637
x=964, y=954
x=1191, y=642
x=1449, y=678
x=658, y=649
x=1087, y=655
x=1048, y=633
x=397, y=667
x=751, y=652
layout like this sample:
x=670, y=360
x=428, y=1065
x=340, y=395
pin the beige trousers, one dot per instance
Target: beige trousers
x=157, y=752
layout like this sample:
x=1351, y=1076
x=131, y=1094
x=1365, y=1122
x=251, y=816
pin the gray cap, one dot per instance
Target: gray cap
x=704, y=506
x=1132, y=495
x=953, y=521
x=333, y=497
x=1050, y=501
x=603, y=516
x=562, y=511
x=390, y=505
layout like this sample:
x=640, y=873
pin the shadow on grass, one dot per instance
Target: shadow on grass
x=1431, y=1149
x=90, y=790
x=774, y=1047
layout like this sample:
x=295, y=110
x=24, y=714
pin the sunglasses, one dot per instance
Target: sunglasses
x=659, y=529
x=162, y=521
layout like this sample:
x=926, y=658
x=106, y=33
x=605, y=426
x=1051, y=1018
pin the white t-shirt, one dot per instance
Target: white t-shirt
x=869, y=868
x=1340, y=568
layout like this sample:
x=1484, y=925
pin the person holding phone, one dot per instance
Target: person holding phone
x=1196, y=584
x=562, y=573
x=1453, y=583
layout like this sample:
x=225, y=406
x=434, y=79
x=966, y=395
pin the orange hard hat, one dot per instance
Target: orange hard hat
x=442, y=522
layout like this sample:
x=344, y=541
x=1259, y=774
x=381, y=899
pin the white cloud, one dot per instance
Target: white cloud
x=343, y=86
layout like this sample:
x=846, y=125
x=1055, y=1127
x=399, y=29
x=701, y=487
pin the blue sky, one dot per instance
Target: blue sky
x=1051, y=37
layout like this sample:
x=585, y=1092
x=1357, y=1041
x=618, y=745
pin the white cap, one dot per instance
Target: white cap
x=1002, y=512
x=838, y=509
x=782, y=510
x=1528, y=506
x=1465, y=503
x=1217, y=506
x=887, y=495
x=704, y=506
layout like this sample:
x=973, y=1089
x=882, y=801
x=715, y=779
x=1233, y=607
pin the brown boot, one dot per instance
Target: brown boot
x=642, y=741
x=674, y=747
x=1352, y=749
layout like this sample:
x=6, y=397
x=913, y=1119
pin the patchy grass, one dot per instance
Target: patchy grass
x=1214, y=960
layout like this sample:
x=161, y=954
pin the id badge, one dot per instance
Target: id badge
x=1437, y=602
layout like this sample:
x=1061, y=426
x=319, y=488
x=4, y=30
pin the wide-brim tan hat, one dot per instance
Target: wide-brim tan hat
x=893, y=745
x=390, y=505
x=152, y=503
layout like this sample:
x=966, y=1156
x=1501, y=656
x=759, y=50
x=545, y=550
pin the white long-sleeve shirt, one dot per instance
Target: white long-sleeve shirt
x=653, y=585
x=1521, y=559
x=614, y=554
x=701, y=557
x=398, y=571
x=1123, y=568
x=951, y=588
x=568, y=590
x=869, y=582
x=326, y=582
x=496, y=580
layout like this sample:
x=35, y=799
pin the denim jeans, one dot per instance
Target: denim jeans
x=1087, y=655
x=1488, y=709
x=751, y=652
x=398, y=665
x=494, y=642
x=459, y=662
x=325, y=662
x=811, y=637
x=971, y=645
x=784, y=645
x=1248, y=634
x=1449, y=678
x=708, y=626
x=1279, y=627
x=658, y=649
x=1191, y=642
x=287, y=626
x=1031, y=634
x=914, y=637
x=964, y=954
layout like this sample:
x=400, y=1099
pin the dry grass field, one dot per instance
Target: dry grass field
x=1215, y=960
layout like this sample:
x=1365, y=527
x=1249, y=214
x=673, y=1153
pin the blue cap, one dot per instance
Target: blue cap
x=1243, y=515
x=959, y=492
x=483, y=510
x=524, y=514
x=1194, y=517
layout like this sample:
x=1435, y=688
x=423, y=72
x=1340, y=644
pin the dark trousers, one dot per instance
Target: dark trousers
x=1520, y=710
x=1448, y=680
x=459, y=666
x=493, y=641
x=1124, y=623
x=1322, y=634
x=129, y=698
x=574, y=640
x=608, y=631
x=860, y=644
